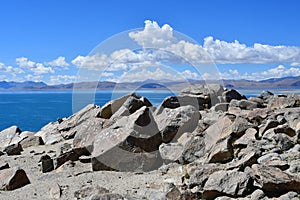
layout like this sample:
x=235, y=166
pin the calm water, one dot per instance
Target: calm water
x=32, y=110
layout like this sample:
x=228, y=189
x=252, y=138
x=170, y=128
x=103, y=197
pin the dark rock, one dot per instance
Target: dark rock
x=113, y=106
x=13, y=149
x=64, y=157
x=232, y=94
x=127, y=145
x=47, y=164
x=265, y=95
x=13, y=178
x=229, y=183
x=4, y=166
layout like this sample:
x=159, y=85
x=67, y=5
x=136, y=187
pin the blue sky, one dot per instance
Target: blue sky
x=36, y=33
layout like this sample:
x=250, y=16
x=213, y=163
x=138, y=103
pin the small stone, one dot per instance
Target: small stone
x=55, y=191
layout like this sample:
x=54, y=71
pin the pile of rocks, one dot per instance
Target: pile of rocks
x=206, y=143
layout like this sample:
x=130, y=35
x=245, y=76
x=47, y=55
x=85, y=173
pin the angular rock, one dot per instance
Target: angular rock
x=193, y=149
x=273, y=181
x=64, y=157
x=13, y=178
x=31, y=141
x=243, y=104
x=265, y=95
x=200, y=174
x=67, y=127
x=270, y=124
x=281, y=102
x=220, y=107
x=222, y=152
x=239, y=126
x=108, y=196
x=132, y=104
x=55, y=132
x=172, y=102
x=170, y=152
x=219, y=131
x=232, y=94
x=127, y=145
x=249, y=136
x=246, y=157
x=13, y=149
x=86, y=133
x=113, y=106
x=258, y=195
x=47, y=164
x=8, y=135
x=172, y=123
x=4, y=166
x=229, y=183
x=50, y=134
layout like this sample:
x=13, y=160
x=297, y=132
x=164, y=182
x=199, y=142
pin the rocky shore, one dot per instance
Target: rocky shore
x=206, y=143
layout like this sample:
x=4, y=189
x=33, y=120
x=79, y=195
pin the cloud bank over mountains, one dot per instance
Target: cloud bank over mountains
x=165, y=47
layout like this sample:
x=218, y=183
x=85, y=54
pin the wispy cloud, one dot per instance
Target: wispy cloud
x=277, y=72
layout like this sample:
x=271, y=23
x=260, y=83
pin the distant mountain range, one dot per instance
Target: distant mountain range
x=279, y=83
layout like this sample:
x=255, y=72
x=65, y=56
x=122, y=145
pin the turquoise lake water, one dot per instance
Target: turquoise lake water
x=32, y=110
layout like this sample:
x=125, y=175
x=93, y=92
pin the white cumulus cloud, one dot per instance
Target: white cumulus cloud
x=58, y=62
x=36, y=68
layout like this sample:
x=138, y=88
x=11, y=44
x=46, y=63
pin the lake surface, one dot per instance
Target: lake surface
x=31, y=110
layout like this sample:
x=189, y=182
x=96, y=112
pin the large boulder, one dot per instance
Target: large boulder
x=172, y=123
x=199, y=102
x=128, y=145
x=86, y=133
x=211, y=93
x=228, y=95
x=60, y=130
x=13, y=178
x=128, y=103
x=132, y=104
